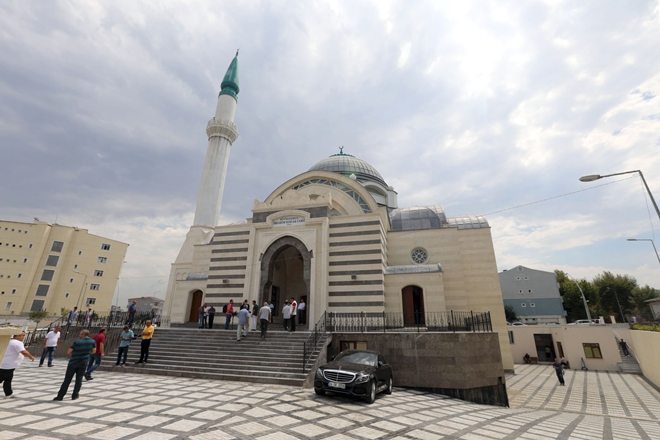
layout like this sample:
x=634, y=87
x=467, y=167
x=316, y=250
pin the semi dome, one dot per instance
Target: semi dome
x=422, y=217
x=348, y=165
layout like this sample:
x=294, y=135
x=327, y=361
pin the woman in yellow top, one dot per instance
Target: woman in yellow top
x=147, y=334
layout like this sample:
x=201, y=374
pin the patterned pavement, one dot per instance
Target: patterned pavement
x=129, y=406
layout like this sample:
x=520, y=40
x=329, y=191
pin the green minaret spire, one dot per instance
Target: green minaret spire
x=229, y=85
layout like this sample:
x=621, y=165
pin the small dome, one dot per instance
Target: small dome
x=347, y=165
x=410, y=219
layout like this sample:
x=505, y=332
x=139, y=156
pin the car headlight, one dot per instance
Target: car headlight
x=362, y=377
x=319, y=373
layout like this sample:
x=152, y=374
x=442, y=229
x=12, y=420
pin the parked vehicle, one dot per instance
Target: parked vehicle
x=357, y=373
x=517, y=323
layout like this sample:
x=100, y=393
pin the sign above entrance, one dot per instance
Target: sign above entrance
x=289, y=221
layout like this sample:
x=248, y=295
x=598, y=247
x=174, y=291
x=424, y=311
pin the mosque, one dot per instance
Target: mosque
x=334, y=236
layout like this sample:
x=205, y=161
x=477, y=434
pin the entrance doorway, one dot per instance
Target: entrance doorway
x=413, y=306
x=285, y=273
x=195, y=304
x=545, y=348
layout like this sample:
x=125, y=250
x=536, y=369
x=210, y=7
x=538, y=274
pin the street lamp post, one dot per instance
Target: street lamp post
x=82, y=290
x=584, y=301
x=592, y=177
x=652, y=243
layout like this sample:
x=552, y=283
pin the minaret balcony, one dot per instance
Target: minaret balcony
x=225, y=129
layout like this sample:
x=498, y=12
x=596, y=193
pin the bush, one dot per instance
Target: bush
x=646, y=327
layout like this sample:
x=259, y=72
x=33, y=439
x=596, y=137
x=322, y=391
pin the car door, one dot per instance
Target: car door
x=383, y=371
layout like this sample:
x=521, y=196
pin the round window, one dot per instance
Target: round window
x=419, y=255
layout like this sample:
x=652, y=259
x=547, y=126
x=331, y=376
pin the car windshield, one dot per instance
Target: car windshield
x=359, y=357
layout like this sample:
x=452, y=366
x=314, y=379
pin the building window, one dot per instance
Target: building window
x=105, y=247
x=24, y=260
x=532, y=305
x=57, y=246
x=523, y=304
x=592, y=351
x=419, y=255
x=91, y=301
x=94, y=286
x=8, y=305
x=66, y=295
x=79, y=252
x=47, y=275
x=42, y=290
x=37, y=305
x=102, y=259
x=511, y=337
x=98, y=273
x=52, y=260
x=19, y=275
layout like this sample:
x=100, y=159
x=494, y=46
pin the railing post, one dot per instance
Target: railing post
x=384, y=324
x=472, y=321
x=453, y=327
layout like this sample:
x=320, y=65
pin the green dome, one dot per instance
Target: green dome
x=346, y=165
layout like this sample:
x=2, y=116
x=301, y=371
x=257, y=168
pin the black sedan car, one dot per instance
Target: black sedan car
x=358, y=373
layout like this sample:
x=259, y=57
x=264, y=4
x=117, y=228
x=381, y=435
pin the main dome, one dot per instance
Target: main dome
x=346, y=165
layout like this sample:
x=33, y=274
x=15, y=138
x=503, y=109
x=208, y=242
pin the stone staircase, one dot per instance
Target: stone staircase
x=215, y=354
x=628, y=362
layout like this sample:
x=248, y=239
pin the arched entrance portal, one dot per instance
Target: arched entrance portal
x=413, y=306
x=285, y=272
x=195, y=304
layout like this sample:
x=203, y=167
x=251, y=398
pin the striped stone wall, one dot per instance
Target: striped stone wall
x=228, y=266
x=357, y=255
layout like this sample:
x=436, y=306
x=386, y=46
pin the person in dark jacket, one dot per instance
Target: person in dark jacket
x=211, y=316
x=558, y=365
x=79, y=352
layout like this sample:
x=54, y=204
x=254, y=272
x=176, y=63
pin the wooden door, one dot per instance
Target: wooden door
x=195, y=304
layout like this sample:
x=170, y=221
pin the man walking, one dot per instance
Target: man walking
x=558, y=365
x=294, y=312
x=125, y=339
x=255, y=315
x=72, y=317
x=79, y=353
x=229, y=313
x=211, y=316
x=12, y=360
x=264, y=319
x=286, y=315
x=147, y=334
x=50, y=344
x=132, y=308
x=243, y=323
x=95, y=358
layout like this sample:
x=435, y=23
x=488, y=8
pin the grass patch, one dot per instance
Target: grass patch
x=646, y=327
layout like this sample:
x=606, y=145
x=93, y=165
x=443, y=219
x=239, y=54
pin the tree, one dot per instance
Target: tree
x=638, y=300
x=37, y=316
x=510, y=314
x=614, y=293
x=572, y=297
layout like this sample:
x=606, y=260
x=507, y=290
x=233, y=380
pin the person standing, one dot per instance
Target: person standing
x=229, y=313
x=264, y=318
x=50, y=344
x=147, y=335
x=12, y=360
x=255, y=314
x=211, y=314
x=201, y=318
x=243, y=322
x=89, y=314
x=72, y=317
x=125, y=339
x=132, y=308
x=558, y=365
x=95, y=358
x=301, y=311
x=286, y=315
x=294, y=312
x=79, y=353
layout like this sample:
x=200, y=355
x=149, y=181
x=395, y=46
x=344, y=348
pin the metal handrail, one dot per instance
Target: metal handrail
x=309, y=346
x=450, y=321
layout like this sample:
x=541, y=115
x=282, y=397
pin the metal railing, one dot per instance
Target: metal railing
x=309, y=346
x=450, y=321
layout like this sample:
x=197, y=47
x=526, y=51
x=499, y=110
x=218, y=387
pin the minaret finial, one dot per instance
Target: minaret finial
x=237, y=51
x=229, y=84
x=341, y=149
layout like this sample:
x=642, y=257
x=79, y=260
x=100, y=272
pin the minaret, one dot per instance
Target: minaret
x=189, y=272
x=222, y=133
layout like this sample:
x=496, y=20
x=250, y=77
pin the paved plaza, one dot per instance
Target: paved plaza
x=130, y=406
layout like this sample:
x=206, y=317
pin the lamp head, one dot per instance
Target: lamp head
x=631, y=239
x=590, y=178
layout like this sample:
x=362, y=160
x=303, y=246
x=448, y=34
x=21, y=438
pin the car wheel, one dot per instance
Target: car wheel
x=371, y=397
x=388, y=390
x=319, y=391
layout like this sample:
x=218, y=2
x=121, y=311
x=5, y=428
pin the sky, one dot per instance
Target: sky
x=491, y=108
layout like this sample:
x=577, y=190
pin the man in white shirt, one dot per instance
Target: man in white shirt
x=294, y=312
x=12, y=359
x=50, y=344
x=264, y=318
x=286, y=315
x=243, y=322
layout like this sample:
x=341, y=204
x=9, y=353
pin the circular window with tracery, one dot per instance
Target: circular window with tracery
x=419, y=255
